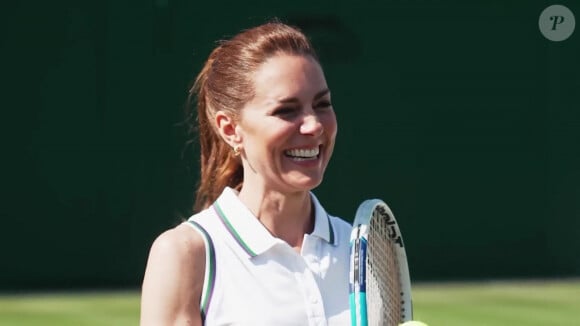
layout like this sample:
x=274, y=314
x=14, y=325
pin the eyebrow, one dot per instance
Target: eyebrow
x=316, y=97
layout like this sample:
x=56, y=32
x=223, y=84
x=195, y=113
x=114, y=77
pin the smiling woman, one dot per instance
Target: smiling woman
x=261, y=249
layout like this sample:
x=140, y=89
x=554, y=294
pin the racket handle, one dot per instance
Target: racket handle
x=358, y=316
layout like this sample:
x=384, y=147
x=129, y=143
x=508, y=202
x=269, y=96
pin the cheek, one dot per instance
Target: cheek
x=269, y=139
x=330, y=125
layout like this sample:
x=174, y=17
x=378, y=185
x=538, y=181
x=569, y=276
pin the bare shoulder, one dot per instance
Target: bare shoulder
x=181, y=248
x=173, y=279
x=181, y=242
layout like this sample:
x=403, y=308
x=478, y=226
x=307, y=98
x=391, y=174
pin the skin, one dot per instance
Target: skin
x=291, y=109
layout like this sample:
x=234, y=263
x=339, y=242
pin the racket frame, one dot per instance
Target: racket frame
x=367, y=210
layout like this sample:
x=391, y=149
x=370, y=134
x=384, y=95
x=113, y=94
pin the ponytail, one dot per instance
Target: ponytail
x=219, y=167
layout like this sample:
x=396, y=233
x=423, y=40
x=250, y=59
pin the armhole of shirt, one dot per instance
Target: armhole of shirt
x=209, y=275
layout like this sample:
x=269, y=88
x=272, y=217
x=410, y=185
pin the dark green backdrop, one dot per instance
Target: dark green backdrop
x=462, y=116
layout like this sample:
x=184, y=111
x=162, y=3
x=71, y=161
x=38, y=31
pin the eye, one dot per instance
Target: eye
x=285, y=111
x=323, y=104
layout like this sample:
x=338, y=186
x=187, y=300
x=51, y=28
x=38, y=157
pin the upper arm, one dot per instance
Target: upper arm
x=173, y=279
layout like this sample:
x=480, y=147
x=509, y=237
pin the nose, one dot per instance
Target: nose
x=311, y=125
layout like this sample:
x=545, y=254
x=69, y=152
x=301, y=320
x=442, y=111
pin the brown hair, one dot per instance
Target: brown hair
x=225, y=84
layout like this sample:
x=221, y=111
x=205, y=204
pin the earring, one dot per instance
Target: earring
x=237, y=150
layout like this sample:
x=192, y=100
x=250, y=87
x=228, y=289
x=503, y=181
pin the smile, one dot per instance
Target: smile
x=303, y=153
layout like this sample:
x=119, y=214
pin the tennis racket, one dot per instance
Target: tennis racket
x=380, y=286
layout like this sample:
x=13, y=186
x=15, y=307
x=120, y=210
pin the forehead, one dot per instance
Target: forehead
x=285, y=75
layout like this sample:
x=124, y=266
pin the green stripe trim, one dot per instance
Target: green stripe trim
x=330, y=231
x=232, y=230
x=210, y=271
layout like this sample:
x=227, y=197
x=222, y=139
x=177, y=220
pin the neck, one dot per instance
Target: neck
x=286, y=216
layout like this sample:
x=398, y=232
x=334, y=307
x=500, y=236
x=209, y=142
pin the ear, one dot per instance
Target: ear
x=228, y=129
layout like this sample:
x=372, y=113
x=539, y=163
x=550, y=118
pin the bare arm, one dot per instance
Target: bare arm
x=173, y=279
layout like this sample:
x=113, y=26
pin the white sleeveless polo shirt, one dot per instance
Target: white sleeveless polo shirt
x=253, y=278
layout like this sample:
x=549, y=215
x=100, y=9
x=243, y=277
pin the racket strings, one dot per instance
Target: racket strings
x=383, y=279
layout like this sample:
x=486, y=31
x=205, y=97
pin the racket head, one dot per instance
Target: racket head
x=380, y=285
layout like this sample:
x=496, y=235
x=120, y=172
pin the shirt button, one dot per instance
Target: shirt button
x=313, y=300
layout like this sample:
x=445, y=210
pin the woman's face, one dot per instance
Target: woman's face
x=289, y=128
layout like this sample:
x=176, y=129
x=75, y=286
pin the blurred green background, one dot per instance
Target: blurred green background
x=441, y=304
x=460, y=115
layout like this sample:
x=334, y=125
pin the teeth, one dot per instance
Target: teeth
x=308, y=153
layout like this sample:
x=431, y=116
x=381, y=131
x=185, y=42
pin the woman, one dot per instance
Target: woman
x=262, y=250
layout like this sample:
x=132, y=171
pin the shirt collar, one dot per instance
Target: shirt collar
x=250, y=234
x=322, y=225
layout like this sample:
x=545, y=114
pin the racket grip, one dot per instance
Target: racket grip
x=358, y=316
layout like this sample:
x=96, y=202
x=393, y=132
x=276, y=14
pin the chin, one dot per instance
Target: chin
x=306, y=184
